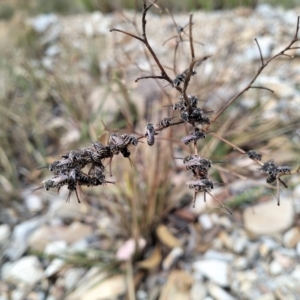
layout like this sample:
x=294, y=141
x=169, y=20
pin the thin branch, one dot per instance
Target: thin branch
x=221, y=204
x=191, y=37
x=262, y=88
x=227, y=142
x=147, y=77
x=261, y=57
x=282, y=52
x=189, y=74
x=127, y=33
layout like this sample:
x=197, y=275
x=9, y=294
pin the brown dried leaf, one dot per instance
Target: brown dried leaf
x=152, y=261
x=178, y=286
x=166, y=237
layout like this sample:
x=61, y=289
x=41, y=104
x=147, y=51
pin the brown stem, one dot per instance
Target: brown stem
x=227, y=142
x=262, y=88
x=191, y=37
x=261, y=57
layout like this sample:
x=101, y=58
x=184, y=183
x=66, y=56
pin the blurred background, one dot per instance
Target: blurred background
x=67, y=81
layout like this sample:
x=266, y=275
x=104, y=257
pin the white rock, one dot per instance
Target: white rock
x=72, y=276
x=68, y=211
x=275, y=268
x=240, y=263
x=298, y=248
x=42, y=22
x=20, y=235
x=225, y=222
x=215, y=270
x=27, y=270
x=55, y=248
x=53, y=50
x=239, y=244
x=218, y=293
x=291, y=237
x=267, y=217
x=33, y=203
x=172, y=257
x=55, y=266
x=205, y=221
x=198, y=291
x=268, y=296
x=216, y=255
x=4, y=233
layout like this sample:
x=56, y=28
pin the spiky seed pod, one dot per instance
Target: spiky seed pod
x=271, y=178
x=252, y=154
x=149, y=134
x=269, y=167
x=164, y=123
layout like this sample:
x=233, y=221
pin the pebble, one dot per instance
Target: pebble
x=68, y=212
x=217, y=255
x=275, y=268
x=55, y=248
x=42, y=22
x=239, y=244
x=70, y=234
x=215, y=270
x=218, y=293
x=240, y=263
x=55, y=266
x=205, y=221
x=33, y=203
x=291, y=237
x=198, y=291
x=27, y=270
x=172, y=257
x=20, y=236
x=4, y=233
x=72, y=277
x=268, y=296
x=279, y=218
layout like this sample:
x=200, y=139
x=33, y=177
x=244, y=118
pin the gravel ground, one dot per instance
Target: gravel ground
x=253, y=254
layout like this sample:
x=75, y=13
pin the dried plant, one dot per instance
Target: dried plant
x=69, y=170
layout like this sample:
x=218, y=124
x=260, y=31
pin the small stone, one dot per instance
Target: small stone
x=298, y=248
x=4, y=233
x=213, y=254
x=205, y=221
x=33, y=203
x=291, y=237
x=42, y=22
x=267, y=245
x=240, y=263
x=198, y=291
x=70, y=234
x=225, y=222
x=55, y=248
x=226, y=239
x=268, y=218
x=70, y=211
x=268, y=296
x=172, y=257
x=27, y=270
x=55, y=266
x=215, y=270
x=239, y=244
x=275, y=268
x=141, y=295
x=72, y=276
x=20, y=235
x=218, y=293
